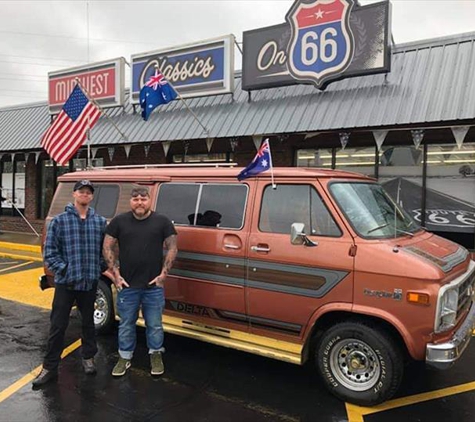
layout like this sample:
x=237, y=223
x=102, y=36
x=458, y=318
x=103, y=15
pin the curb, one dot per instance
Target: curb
x=22, y=257
x=21, y=247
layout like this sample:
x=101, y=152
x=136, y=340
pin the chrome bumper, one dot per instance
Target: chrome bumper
x=444, y=355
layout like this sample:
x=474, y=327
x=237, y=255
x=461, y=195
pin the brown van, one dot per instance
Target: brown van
x=325, y=267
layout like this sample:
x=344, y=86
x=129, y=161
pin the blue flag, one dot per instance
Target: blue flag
x=261, y=162
x=156, y=91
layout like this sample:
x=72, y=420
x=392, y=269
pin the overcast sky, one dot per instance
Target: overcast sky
x=41, y=36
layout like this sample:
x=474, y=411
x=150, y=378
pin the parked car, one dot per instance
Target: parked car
x=323, y=267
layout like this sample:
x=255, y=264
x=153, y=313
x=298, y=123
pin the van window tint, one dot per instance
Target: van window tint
x=177, y=201
x=105, y=200
x=296, y=204
x=222, y=205
x=106, y=197
x=205, y=205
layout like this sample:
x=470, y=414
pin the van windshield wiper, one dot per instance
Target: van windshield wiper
x=385, y=225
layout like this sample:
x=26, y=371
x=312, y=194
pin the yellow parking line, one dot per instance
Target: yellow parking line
x=356, y=413
x=16, y=266
x=17, y=385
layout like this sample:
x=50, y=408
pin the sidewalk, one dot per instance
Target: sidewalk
x=20, y=246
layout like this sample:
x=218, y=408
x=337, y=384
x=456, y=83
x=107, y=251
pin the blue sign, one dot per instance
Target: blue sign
x=321, y=43
x=206, y=68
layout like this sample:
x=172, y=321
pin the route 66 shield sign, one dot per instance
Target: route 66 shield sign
x=321, y=44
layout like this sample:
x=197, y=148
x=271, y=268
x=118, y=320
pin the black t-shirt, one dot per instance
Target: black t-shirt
x=140, y=246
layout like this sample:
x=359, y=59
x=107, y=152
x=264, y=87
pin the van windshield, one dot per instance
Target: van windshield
x=371, y=212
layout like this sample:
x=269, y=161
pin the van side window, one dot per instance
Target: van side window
x=203, y=204
x=105, y=200
x=296, y=204
x=177, y=201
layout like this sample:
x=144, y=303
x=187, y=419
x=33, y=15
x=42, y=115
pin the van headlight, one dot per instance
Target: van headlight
x=448, y=310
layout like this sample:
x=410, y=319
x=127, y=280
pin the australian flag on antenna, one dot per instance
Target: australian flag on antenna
x=261, y=162
x=156, y=91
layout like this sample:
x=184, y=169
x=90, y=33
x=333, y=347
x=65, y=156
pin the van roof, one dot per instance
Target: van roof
x=168, y=172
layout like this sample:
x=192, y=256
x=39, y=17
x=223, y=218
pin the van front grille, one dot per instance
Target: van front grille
x=466, y=294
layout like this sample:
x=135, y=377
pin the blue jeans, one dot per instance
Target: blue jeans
x=129, y=301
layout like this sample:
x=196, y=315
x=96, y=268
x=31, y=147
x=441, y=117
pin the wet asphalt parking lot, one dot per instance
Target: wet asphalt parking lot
x=202, y=382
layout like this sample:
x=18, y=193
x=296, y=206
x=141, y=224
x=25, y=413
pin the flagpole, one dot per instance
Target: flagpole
x=88, y=161
x=92, y=100
x=205, y=129
x=274, y=186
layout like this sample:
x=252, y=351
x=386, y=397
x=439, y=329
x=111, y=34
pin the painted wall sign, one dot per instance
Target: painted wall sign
x=322, y=41
x=103, y=81
x=204, y=68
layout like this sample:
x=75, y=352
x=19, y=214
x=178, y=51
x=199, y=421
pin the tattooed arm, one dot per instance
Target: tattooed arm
x=110, y=251
x=171, y=246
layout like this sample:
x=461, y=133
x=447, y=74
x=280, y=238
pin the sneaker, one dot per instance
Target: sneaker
x=44, y=377
x=89, y=366
x=121, y=367
x=156, y=363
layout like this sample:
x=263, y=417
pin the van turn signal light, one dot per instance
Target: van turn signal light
x=418, y=298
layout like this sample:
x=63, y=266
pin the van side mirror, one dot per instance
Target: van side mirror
x=298, y=236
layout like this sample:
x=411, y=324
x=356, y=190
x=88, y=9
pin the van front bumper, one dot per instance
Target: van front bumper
x=444, y=355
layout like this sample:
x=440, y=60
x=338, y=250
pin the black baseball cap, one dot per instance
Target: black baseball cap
x=83, y=184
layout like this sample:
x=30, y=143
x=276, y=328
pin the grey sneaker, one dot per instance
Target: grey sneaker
x=121, y=367
x=156, y=363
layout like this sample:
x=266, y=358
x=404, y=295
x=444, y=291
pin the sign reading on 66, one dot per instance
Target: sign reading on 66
x=321, y=44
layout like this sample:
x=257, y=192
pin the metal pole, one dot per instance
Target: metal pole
x=24, y=218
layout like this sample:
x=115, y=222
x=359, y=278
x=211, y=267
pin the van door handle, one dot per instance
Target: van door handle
x=260, y=249
x=232, y=246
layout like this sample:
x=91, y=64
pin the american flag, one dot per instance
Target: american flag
x=69, y=130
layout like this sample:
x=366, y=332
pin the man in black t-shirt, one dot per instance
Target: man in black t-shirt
x=140, y=270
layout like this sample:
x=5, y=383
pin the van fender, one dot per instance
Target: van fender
x=416, y=351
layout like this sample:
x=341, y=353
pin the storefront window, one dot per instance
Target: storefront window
x=360, y=160
x=314, y=158
x=81, y=163
x=203, y=158
x=400, y=173
x=13, y=187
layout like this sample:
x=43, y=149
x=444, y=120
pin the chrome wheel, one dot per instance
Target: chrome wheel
x=355, y=364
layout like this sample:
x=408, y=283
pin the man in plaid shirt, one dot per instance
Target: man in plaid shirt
x=72, y=251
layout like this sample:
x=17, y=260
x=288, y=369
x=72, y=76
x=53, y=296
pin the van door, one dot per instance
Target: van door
x=287, y=283
x=207, y=278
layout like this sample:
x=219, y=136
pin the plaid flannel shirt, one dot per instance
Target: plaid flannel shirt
x=73, y=248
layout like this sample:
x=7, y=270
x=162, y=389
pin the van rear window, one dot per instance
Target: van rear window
x=203, y=204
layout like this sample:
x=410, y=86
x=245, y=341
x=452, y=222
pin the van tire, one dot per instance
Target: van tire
x=359, y=363
x=103, y=308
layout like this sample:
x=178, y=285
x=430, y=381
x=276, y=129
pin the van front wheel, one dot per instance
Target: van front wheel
x=359, y=363
x=103, y=308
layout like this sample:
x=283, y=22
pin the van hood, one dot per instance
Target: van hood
x=441, y=252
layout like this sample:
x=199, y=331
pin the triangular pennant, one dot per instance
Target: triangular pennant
x=110, y=151
x=257, y=142
x=146, y=149
x=127, y=150
x=379, y=137
x=166, y=147
x=344, y=138
x=37, y=155
x=459, y=134
x=94, y=152
x=417, y=137
x=209, y=143
x=311, y=135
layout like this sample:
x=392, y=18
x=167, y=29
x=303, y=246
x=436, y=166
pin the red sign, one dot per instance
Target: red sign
x=99, y=85
x=104, y=82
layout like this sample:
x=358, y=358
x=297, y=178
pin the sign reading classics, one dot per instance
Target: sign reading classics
x=322, y=41
x=204, y=68
x=103, y=81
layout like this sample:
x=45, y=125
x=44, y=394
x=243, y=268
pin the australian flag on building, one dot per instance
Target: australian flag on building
x=261, y=162
x=156, y=91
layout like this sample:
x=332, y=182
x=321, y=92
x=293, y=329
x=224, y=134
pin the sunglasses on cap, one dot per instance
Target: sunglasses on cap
x=139, y=192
